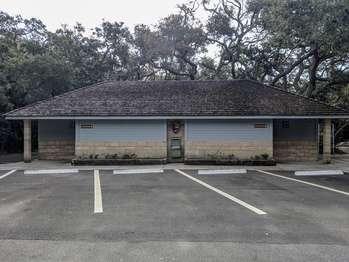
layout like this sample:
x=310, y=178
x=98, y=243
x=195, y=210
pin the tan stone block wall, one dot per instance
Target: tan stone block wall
x=56, y=149
x=295, y=150
x=143, y=149
x=297, y=141
x=240, y=149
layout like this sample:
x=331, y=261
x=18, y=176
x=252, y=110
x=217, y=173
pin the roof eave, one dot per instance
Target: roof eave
x=176, y=117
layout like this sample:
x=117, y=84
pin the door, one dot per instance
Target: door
x=175, y=141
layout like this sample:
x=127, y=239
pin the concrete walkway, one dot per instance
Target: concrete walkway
x=339, y=162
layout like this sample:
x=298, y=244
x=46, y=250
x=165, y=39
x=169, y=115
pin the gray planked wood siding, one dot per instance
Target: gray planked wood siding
x=219, y=139
x=231, y=130
x=121, y=130
x=143, y=138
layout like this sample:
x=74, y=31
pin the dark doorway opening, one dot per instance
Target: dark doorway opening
x=175, y=141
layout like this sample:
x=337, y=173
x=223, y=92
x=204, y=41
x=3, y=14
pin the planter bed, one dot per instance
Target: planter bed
x=106, y=162
x=247, y=162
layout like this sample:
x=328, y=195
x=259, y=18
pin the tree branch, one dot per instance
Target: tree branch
x=293, y=66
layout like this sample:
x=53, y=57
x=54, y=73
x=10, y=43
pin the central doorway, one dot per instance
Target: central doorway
x=175, y=141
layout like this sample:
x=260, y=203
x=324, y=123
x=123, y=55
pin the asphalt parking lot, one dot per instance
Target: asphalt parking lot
x=173, y=216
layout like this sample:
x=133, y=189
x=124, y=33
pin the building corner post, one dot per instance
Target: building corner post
x=27, y=140
x=327, y=141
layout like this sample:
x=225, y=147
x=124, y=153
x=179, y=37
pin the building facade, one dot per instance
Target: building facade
x=177, y=121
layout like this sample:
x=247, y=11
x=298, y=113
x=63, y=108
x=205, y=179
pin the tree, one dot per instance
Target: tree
x=173, y=48
x=233, y=30
x=145, y=44
x=115, y=44
x=313, y=39
x=300, y=45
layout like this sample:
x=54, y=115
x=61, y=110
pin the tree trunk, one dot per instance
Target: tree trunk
x=312, y=73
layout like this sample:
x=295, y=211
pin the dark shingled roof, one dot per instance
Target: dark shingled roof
x=177, y=98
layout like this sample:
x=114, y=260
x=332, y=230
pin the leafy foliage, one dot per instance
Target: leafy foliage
x=301, y=46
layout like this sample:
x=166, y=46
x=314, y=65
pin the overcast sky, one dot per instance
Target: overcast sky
x=91, y=12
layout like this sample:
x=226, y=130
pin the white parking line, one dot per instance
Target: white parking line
x=222, y=171
x=305, y=182
x=319, y=173
x=137, y=171
x=236, y=200
x=51, y=171
x=7, y=174
x=98, y=206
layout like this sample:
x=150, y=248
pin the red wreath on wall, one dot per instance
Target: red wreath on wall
x=176, y=126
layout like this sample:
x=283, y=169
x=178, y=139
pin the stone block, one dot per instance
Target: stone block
x=56, y=149
x=143, y=149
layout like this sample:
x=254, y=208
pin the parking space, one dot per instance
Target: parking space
x=296, y=211
x=168, y=206
x=337, y=182
x=40, y=206
x=174, y=206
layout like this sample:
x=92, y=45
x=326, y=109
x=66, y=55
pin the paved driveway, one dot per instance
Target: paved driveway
x=176, y=215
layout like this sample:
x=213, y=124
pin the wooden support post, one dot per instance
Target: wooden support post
x=327, y=141
x=27, y=140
